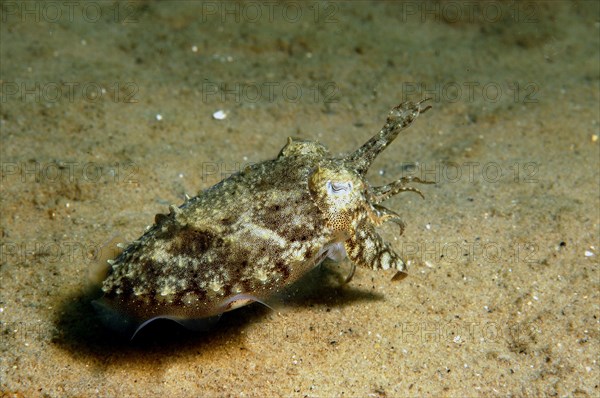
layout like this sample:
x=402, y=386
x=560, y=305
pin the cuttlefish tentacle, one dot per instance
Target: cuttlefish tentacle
x=400, y=117
x=385, y=215
x=378, y=215
x=384, y=192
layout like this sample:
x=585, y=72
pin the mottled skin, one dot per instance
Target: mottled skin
x=260, y=230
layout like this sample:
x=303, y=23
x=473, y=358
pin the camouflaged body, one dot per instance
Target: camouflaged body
x=251, y=233
x=258, y=231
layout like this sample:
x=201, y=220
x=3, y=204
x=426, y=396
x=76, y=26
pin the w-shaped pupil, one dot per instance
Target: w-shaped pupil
x=337, y=188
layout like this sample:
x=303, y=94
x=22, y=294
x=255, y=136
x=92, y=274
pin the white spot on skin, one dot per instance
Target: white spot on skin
x=160, y=255
x=190, y=298
x=298, y=255
x=263, y=260
x=267, y=234
x=262, y=275
x=369, y=245
x=215, y=285
x=297, y=220
x=139, y=290
x=237, y=288
x=182, y=284
x=385, y=260
x=355, y=251
x=167, y=290
x=130, y=273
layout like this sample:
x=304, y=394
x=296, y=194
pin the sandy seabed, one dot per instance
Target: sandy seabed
x=108, y=116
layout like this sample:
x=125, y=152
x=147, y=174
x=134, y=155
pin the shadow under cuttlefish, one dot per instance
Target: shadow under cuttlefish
x=79, y=330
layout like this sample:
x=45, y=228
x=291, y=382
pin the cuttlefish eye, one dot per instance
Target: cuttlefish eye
x=338, y=188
